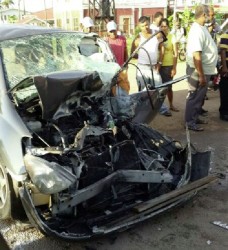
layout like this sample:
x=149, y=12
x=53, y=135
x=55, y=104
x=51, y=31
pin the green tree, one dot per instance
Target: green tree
x=186, y=18
x=6, y=3
x=12, y=19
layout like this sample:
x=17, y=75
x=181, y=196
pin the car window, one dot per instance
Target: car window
x=47, y=53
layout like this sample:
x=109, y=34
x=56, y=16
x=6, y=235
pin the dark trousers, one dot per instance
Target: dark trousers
x=223, y=88
x=195, y=96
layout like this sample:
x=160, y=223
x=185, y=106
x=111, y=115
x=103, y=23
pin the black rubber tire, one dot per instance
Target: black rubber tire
x=182, y=55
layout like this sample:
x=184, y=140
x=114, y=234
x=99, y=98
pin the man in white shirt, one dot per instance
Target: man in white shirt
x=148, y=56
x=201, y=60
x=178, y=32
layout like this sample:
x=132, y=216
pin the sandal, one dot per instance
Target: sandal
x=174, y=109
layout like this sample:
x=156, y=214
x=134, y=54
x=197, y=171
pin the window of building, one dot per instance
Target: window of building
x=59, y=23
x=75, y=23
x=126, y=25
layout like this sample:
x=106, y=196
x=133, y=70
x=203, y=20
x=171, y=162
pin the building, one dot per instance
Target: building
x=11, y=15
x=69, y=13
x=14, y=15
x=32, y=20
x=45, y=15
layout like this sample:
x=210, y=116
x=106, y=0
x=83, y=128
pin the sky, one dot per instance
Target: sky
x=33, y=5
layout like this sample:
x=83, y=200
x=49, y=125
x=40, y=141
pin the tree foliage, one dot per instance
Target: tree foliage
x=185, y=18
x=6, y=3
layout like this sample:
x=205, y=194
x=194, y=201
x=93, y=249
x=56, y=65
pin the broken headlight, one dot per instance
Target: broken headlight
x=48, y=177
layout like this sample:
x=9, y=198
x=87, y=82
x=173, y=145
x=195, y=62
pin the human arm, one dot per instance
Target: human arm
x=224, y=71
x=223, y=49
x=125, y=51
x=135, y=45
x=175, y=55
x=197, y=58
x=161, y=51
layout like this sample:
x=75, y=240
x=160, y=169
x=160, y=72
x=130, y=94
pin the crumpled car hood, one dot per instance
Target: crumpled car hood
x=54, y=88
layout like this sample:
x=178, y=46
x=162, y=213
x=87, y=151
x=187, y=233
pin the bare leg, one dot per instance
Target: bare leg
x=170, y=98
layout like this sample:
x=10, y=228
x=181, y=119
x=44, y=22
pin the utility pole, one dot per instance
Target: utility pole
x=166, y=9
x=175, y=11
x=45, y=11
x=101, y=11
x=19, y=9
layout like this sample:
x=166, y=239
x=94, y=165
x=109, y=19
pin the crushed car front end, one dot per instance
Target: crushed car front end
x=88, y=164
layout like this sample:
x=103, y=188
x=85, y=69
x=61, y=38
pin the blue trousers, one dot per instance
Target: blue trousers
x=195, y=97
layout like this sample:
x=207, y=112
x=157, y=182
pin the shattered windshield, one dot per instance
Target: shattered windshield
x=47, y=53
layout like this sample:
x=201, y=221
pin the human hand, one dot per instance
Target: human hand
x=173, y=72
x=224, y=72
x=158, y=67
x=202, y=80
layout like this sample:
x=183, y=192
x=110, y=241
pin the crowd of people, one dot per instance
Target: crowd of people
x=158, y=54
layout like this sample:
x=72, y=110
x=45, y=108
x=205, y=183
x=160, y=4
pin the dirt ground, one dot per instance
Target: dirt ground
x=186, y=227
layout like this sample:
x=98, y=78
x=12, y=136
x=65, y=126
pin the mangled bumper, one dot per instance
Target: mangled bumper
x=138, y=213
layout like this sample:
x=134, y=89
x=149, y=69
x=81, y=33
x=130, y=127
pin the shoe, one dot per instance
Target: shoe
x=224, y=117
x=203, y=112
x=204, y=115
x=195, y=128
x=200, y=121
x=167, y=113
x=174, y=109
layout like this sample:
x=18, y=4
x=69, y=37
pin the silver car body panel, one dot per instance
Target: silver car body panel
x=11, y=136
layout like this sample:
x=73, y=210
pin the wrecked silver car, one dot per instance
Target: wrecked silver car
x=77, y=159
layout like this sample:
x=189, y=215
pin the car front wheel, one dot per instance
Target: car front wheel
x=5, y=206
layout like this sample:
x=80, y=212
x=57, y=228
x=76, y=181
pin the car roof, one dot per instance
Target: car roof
x=13, y=31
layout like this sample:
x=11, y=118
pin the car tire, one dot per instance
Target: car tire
x=10, y=203
x=5, y=204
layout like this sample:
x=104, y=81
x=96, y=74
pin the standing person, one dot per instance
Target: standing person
x=169, y=61
x=212, y=25
x=118, y=46
x=178, y=32
x=155, y=27
x=156, y=23
x=87, y=24
x=117, y=43
x=223, y=85
x=148, y=61
x=202, y=57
